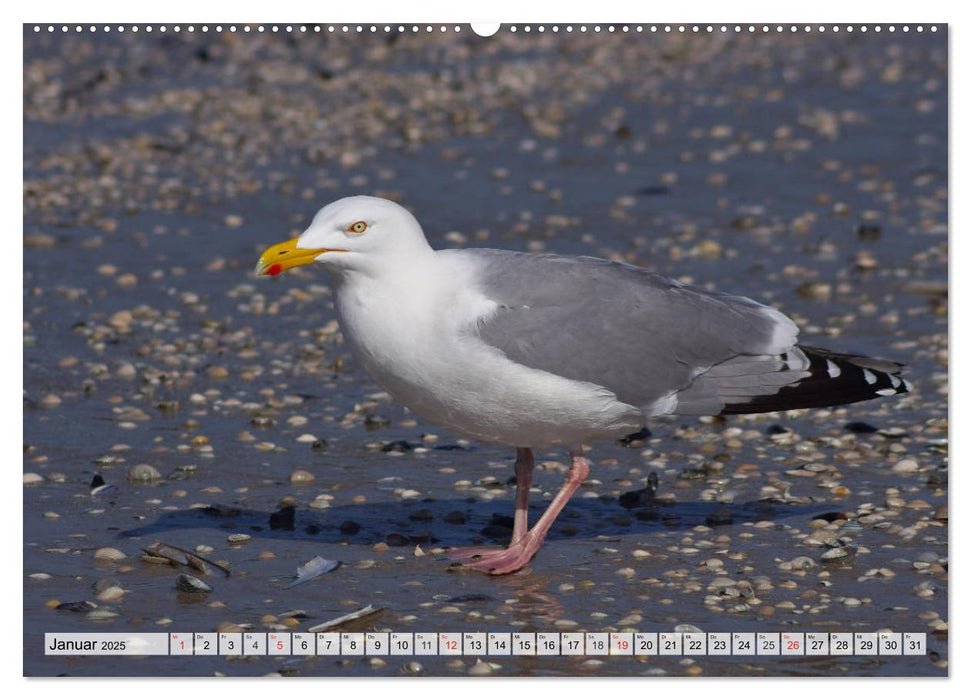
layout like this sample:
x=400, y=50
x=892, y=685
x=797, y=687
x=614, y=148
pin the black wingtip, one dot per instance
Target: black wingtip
x=834, y=379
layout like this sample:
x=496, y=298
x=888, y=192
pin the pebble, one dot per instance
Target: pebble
x=50, y=401
x=412, y=668
x=101, y=614
x=39, y=240
x=109, y=554
x=143, y=473
x=217, y=372
x=229, y=628
x=906, y=466
x=818, y=291
x=301, y=476
x=32, y=478
x=802, y=563
x=321, y=502
x=111, y=594
x=480, y=668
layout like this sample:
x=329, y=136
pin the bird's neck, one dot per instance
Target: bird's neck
x=390, y=269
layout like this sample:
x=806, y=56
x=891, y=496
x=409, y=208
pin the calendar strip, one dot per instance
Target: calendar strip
x=482, y=644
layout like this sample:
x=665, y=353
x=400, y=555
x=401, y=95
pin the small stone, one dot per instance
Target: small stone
x=376, y=422
x=349, y=527
x=39, y=240
x=50, y=401
x=802, y=564
x=816, y=291
x=301, y=476
x=906, y=466
x=860, y=427
x=143, y=473
x=412, y=668
x=708, y=250
x=321, y=502
x=109, y=554
x=101, y=614
x=480, y=668
x=217, y=372
x=865, y=260
x=32, y=478
x=112, y=593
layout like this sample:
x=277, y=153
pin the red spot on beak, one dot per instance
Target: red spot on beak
x=274, y=270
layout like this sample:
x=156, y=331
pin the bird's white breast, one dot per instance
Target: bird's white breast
x=413, y=330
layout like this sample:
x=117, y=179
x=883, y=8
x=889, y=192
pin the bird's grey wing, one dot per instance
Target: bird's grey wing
x=657, y=344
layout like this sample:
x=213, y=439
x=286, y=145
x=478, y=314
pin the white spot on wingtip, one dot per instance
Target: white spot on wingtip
x=870, y=377
x=894, y=381
x=832, y=369
x=886, y=392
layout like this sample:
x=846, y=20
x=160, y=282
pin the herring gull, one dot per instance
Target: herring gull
x=531, y=350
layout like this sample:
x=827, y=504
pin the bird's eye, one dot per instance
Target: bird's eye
x=358, y=227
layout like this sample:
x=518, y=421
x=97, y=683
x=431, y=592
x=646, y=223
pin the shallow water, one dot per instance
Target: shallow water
x=758, y=166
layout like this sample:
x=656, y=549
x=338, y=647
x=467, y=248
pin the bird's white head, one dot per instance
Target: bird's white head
x=351, y=233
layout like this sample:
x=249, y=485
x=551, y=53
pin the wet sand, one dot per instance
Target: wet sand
x=807, y=172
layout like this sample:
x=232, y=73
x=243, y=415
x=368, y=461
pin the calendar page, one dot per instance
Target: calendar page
x=396, y=349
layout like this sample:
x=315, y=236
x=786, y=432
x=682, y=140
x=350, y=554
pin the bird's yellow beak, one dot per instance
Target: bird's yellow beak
x=283, y=256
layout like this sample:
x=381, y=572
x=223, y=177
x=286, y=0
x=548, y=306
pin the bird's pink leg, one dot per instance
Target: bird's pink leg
x=521, y=550
x=524, y=478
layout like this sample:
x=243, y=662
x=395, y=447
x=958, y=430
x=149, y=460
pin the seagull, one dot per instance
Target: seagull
x=540, y=350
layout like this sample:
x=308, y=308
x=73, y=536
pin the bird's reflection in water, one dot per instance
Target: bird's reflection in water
x=530, y=603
